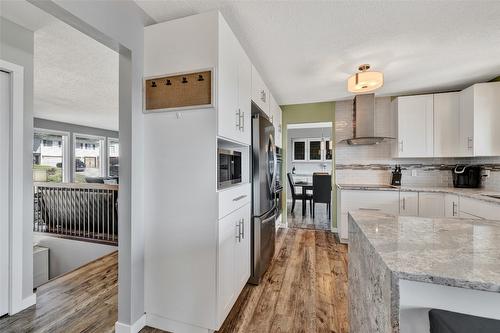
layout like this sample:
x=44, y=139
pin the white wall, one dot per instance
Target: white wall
x=66, y=255
x=119, y=25
x=16, y=46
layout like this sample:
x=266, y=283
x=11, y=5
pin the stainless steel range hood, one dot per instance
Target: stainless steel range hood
x=363, y=122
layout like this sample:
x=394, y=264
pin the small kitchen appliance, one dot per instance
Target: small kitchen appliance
x=467, y=176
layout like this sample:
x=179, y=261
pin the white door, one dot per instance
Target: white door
x=4, y=190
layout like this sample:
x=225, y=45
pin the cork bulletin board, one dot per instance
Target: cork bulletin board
x=179, y=91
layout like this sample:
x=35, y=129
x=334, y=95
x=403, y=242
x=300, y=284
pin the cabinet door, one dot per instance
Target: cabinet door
x=299, y=150
x=260, y=93
x=431, y=204
x=487, y=119
x=314, y=149
x=228, y=108
x=451, y=208
x=466, y=133
x=408, y=203
x=242, y=258
x=415, y=126
x=228, y=231
x=446, y=124
x=245, y=96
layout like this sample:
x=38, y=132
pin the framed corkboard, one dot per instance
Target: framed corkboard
x=179, y=91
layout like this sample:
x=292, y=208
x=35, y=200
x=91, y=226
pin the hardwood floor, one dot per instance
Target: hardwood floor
x=319, y=222
x=84, y=300
x=304, y=290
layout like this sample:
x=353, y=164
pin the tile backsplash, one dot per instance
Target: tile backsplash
x=373, y=164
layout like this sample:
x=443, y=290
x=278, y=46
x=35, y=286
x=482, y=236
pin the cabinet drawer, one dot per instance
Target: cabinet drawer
x=233, y=198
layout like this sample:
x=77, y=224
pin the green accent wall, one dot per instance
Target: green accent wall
x=497, y=79
x=308, y=113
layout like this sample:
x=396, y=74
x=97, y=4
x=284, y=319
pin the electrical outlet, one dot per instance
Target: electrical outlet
x=413, y=173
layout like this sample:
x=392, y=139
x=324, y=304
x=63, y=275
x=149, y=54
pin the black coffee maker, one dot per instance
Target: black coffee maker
x=467, y=176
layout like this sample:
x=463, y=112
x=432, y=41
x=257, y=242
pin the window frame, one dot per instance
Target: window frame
x=306, y=150
x=307, y=142
x=66, y=152
x=108, y=139
x=102, y=154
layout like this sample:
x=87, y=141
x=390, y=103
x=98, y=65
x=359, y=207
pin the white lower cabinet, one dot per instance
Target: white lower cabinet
x=451, y=208
x=479, y=208
x=408, y=203
x=233, y=259
x=352, y=200
x=430, y=204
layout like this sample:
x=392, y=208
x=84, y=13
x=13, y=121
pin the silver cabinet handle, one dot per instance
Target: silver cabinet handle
x=263, y=96
x=401, y=146
x=238, y=119
x=404, y=203
x=454, y=208
x=238, y=231
x=242, y=229
x=240, y=197
x=469, y=142
x=242, y=128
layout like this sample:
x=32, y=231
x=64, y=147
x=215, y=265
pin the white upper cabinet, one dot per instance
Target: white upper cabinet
x=446, y=124
x=480, y=120
x=276, y=120
x=415, y=126
x=234, y=102
x=260, y=92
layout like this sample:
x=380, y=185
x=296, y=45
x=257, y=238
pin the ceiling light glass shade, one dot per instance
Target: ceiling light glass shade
x=365, y=81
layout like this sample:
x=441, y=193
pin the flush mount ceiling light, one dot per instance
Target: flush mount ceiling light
x=365, y=80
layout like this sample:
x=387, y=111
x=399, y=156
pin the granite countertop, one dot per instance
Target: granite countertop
x=474, y=193
x=454, y=252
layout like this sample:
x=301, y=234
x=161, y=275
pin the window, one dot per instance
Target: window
x=329, y=150
x=50, y=156
x=315, y=150
x=88, y=157
x=299, y=150
x=113, y=157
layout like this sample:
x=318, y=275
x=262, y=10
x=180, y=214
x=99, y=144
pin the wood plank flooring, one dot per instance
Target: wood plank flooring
x=304, y=290
x=319, y=222
x=84, y=300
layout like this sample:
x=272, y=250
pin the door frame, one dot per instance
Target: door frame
x=16, y=300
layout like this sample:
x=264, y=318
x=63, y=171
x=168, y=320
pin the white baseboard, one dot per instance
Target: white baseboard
x=169, y=325
x=24, y=304
x=138, y=325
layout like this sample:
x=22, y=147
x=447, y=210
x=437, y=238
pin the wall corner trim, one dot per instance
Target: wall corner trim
x=133, y=328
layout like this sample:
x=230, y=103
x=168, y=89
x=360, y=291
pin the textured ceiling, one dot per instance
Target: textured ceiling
x=305, y=50
x=76, y=78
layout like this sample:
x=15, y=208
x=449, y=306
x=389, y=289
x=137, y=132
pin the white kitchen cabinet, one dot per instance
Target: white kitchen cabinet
x=352, y=200
x=451, y=208
x=479, y=208
x=276, y=120
x=260, y=92
x=431, y=204
x=446, y=124
x=480, y=120
x=408, y=203
x=415, y=134
x=234, y=102
x=233, y=259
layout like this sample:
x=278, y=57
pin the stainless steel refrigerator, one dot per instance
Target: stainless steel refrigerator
x=263, y=194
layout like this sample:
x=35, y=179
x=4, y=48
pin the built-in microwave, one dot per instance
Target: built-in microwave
x=229, y=168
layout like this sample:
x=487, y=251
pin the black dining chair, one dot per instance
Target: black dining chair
x=298, y=196
x=322, y=192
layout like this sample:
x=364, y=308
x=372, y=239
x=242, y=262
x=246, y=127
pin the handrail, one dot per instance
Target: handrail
x=83, y=211
x=95, y=186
